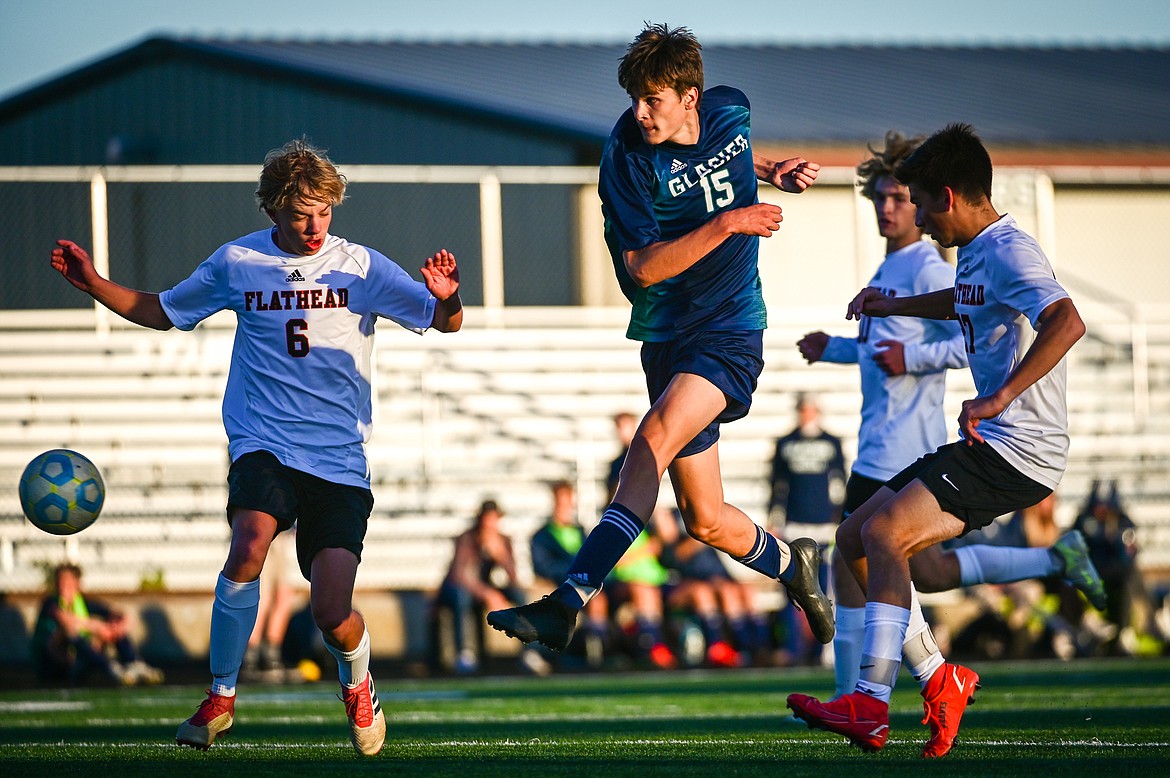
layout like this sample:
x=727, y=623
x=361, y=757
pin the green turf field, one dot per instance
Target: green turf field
x=1099, y=718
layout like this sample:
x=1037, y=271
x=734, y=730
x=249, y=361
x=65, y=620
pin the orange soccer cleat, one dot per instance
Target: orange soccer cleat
x=944, y=698
x=865, y=720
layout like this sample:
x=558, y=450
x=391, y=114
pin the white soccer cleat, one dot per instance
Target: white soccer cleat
x=213, y=719
x=367, y=725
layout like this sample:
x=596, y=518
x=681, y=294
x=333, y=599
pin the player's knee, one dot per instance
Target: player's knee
x=330, y=618
x=848, y=539
x=877, y=534
x=703, y=528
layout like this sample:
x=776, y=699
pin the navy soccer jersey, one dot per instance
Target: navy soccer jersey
x=657, y=193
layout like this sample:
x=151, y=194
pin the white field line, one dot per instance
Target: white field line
x=252, y=716
x=341, y=745
x=419, y=717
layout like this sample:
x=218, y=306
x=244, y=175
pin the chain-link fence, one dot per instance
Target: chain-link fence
x=162, y=222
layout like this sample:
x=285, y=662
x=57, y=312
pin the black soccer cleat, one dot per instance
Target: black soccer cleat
x=548, y=621
x=804, y=590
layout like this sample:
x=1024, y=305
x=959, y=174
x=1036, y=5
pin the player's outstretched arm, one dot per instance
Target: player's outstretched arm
x=667, y=258
x=870, y=301
x=142, y=308
x=441, y=276
x=791, y=175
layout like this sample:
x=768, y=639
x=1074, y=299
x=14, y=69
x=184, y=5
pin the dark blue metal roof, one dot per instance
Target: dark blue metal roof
x=821, y=94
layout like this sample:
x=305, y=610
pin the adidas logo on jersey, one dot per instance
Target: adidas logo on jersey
x=676, y=166
x=294, y=276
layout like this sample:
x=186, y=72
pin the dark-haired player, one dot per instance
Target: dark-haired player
x=678, y=185
x=1014, y=445
x=903, y=362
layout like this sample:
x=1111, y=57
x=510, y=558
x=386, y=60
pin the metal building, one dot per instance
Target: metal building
x=174, y=101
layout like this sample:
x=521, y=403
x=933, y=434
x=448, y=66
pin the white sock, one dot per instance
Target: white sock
x=583, y=590
x=885, y=632
x=1001, y=564
x=352, y=666
x=233, y=617
x=847, y=644
x=785, y=555
x=920, y=652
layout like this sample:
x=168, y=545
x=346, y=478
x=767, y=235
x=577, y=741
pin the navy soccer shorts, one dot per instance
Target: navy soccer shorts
x=732, y=361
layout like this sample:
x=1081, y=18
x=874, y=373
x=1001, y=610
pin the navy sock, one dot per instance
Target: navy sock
x=602, y=549
x=745, y=633
x=649, y=633
x=765, y=555
x=712, y=627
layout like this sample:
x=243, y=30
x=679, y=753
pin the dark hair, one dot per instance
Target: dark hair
x=660, y=58
x=953, y=157
x=882, y=163
x=803, y=399
x=486, y=507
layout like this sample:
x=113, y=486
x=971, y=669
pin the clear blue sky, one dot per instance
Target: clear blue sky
x=41, y=39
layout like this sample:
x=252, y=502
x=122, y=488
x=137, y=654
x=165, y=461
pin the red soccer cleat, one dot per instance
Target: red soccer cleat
x=944, y=698
x=721, y=654
x=213, y=719
x=865, y=720
x=662, y=657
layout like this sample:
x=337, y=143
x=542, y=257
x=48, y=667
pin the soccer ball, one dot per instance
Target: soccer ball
x=61, y=492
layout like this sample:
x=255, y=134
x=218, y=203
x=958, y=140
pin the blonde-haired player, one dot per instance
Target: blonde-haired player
x=296, y=409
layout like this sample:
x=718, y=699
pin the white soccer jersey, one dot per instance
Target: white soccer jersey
x=1003, y=283
x=901, y=416
x=299, y=382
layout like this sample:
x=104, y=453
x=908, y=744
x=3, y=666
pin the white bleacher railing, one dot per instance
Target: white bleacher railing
x=492, y=411
x=488, y=179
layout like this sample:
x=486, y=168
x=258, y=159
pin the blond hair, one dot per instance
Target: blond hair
x=297, y=169
x=882, y=163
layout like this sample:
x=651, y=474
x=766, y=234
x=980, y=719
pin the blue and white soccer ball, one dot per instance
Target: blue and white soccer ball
x=61, y=492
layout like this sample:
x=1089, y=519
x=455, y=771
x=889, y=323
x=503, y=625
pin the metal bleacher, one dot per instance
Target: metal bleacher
x=492, y=411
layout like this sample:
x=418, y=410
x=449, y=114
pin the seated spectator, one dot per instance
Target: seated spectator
x=733, y=632
x=637, y=581
x=481, y=578
x=75, y=634
x=553, y=549
x=1112, y=538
